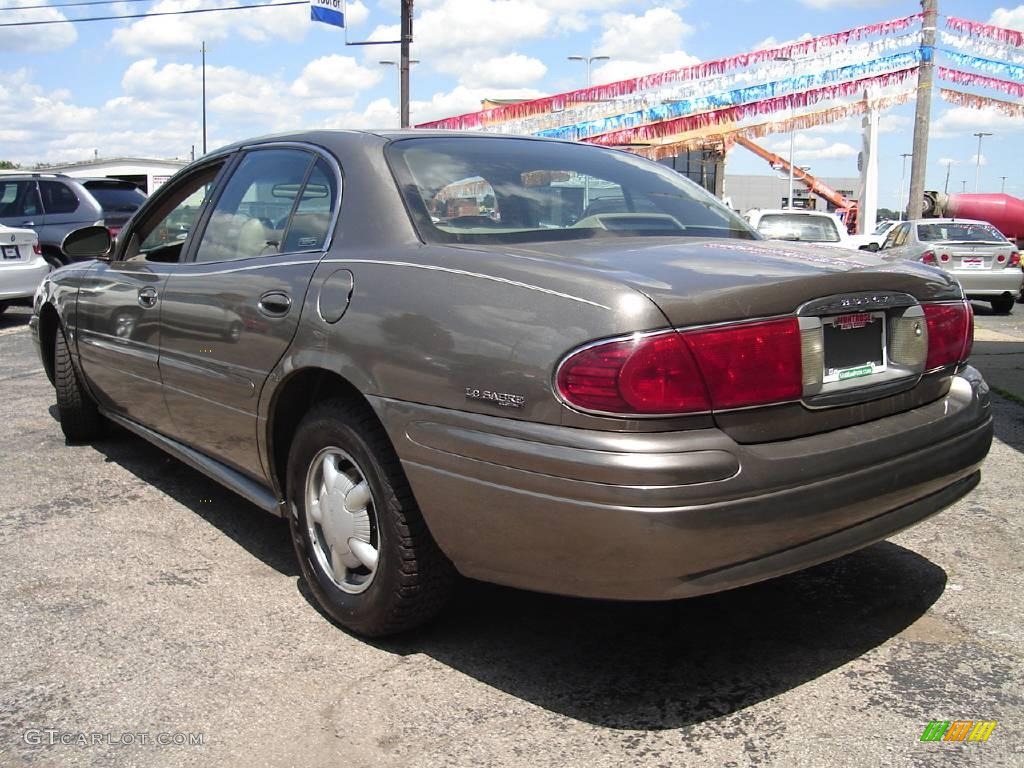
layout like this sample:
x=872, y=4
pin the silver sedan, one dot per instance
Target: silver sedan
x=975, y=253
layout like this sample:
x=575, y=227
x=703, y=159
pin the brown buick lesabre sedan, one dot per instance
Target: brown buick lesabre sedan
x=547, y=365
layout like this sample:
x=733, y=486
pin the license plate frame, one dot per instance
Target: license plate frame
x=11, y=253
x=863, y=351
x=972, y=262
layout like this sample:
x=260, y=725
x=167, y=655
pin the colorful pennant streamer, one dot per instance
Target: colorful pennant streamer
x=481, y=119
x=734, y=114
x=974, y=101
x=981, y=81
x=753, y=93
x=977, y=29
x=989, y=49
x=588, y=113
x=725, y=135
x=986, y=65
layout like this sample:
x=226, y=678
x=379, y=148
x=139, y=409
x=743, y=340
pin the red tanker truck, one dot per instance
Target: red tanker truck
x=1004, y=212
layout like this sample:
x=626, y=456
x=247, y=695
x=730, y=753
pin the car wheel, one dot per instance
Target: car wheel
x=1003, y=305
x=362, y=544
x=80, y=419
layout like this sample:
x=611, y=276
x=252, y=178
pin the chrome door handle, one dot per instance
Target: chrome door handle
x=28, y=223
x=147, y=297
x=274, y=304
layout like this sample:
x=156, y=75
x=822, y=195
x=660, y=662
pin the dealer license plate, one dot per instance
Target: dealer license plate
x=854, y=345
x=11, y=252
x=972, y=262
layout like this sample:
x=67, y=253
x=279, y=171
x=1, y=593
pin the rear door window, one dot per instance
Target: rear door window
x=58, y=197
x=120, y=198
x=19, y=199
x=252, y=214
x=309, y=227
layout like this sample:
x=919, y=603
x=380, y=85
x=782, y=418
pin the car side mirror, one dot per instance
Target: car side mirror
x=872, y=247
x=86, y=243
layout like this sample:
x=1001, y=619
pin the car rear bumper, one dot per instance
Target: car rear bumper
x=667, y=515
x=19, y=280
x=988, y=282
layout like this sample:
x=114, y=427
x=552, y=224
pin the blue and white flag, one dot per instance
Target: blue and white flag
x=328, y=11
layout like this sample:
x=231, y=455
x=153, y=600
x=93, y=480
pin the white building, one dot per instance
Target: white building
x=146, y=173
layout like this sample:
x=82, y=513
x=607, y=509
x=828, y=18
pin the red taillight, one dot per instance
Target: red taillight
x=944, y=257
x=928, y=257
x=1014, y=259
x=1000, y=258
x=693, y=371
x=644, y=375
x=37, y=249
x=950, y=333
x=752, y=364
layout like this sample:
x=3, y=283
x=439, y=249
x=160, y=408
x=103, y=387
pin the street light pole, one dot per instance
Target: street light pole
x=792, y=133
x=903, y=179
x=398, y=66
x=977, y=159
x=1002, y=186
x=204, y=95
x=403, y=66
x=589, y=60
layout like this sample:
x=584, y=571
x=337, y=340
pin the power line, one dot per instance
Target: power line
x=70, y=5
x=146, y=15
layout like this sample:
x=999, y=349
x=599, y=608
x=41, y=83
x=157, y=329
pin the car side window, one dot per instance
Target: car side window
x=901, y=235
x=252, y=214
x=163, y=232
x=19, y=198
x=309, y=226
x=58, y=197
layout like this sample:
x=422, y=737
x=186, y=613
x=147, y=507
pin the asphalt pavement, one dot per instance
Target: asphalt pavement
x=148, y=617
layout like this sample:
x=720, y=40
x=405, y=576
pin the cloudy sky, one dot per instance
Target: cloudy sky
x=132, y=88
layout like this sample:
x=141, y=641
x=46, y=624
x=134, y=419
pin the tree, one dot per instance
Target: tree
x=7, y=165
x=885, y=214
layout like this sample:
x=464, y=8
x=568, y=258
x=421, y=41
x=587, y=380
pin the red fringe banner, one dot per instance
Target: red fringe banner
x=981, y=81
x=477, y=120
x=976, y=28
x=740, y=112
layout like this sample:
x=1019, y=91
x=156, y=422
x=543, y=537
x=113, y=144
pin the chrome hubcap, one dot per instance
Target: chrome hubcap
x=341, y=520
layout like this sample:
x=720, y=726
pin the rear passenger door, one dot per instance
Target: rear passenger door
x=230, y=311
x=20, y=205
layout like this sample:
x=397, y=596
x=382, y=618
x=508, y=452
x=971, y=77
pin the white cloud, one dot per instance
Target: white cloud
x=512, y=70
x=326, y=76
x=1012, y=18
x=461, y=100
x=809, y=147
x=185, y=33
x=827, y=5
x=947, y=161
x=628, y=36
x=772, y=42
x=963, y=121
x=48, y=37
x=621, y=69
x=974, y=160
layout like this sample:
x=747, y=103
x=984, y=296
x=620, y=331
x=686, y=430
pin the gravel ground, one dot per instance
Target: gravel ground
x=141, y=601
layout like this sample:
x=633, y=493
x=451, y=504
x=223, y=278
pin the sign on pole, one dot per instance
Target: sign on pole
x=328, y=11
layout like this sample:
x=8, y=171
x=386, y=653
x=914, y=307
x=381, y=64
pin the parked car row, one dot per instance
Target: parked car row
x=976, y=254
x=638, y=398
x=53, y=205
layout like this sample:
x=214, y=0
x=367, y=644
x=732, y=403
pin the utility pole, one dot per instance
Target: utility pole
x=949, y=167
x=903, y=181
x=922, y=115
x=204, y=96
x=977, y=160
x=403, y=65
x=1002, y=187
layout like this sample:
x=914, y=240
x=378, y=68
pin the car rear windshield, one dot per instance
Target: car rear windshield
x=116, y=196
x=801, y=227
x=491, y=190
x=958, y=232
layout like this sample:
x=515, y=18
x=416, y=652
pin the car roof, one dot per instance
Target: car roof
x=949, y=221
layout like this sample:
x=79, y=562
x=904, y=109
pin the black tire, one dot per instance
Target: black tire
x=413, y=579
x=80, y=420
x=1003, y=305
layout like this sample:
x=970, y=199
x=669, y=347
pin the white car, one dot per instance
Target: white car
x=22, y=266
x=872, y=241
x=796, y=224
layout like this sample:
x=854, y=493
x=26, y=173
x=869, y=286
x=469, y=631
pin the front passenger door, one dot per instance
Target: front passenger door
x=230, y=313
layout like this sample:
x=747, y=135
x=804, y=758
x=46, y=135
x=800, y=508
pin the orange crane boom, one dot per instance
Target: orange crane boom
x=845, y=207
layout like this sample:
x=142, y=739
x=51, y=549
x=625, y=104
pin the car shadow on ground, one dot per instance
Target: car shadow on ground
x=636, y=666
x=651, y=666
x=263, y=535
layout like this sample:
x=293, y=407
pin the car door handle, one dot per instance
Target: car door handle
x=28, y=223
x=147, y=297
x=274, y=304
